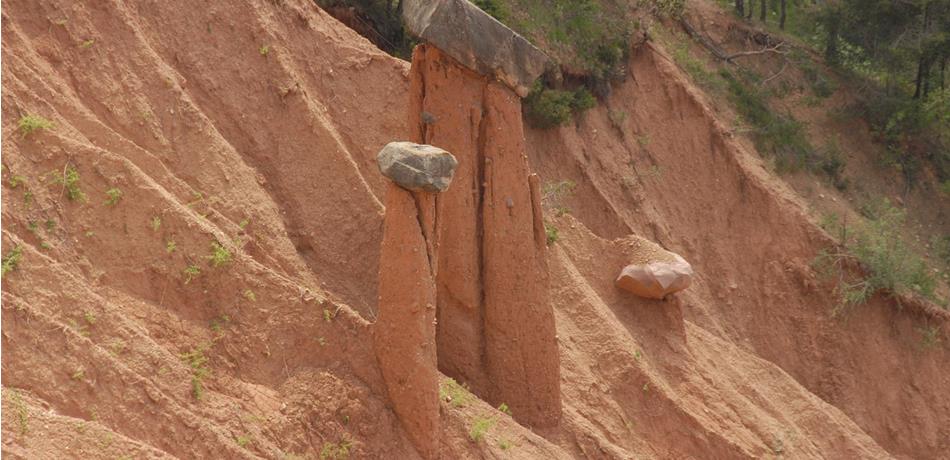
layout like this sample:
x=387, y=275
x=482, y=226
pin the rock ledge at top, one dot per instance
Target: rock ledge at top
x=476, y=40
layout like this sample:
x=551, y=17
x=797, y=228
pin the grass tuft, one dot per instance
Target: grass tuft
x=29, y=124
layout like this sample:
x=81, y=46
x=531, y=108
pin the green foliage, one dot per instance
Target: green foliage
x=493, y=7
x=15, y=181
x=551, y=233
x=480, y=426
x=338, y=451
x=504, y=409
x=113, y=196
x=191, y=272
x=11, y=260
x=546, y=108
x=20, y=410
x=388, y=31
x=886, y=263
x=28, y=124
x=242, y=440
x=197, y=361
x=453, y=393
x=170, y=247
x=70, y=182
x=219, y=255
x=264, y=50
x=781, y=136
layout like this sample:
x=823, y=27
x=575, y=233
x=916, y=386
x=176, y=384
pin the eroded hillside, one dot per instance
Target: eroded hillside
x=221, y=304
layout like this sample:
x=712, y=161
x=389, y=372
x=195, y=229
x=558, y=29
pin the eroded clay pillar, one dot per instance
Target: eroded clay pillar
x=496, y=330
x=404, y=333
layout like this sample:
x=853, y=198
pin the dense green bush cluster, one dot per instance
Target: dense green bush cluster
x=546, y=108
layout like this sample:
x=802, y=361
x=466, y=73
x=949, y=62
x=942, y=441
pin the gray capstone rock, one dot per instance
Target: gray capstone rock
x=417, y=167
x=476, y=40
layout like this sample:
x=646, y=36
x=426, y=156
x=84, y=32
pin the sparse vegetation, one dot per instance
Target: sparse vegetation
x=219, y=255
x=874, y=249
x=28, y=124
x=553, y=195
x=264, y=50
x=504, y=409
x=20, y=411
x=551, y=233
x=480, y=426
x=336, y=451
x=11, y=260
x=453, y=393
x=243, y=440
x=113, y=195
x=249, y=295
x=197, y=361
x=87, y=43
x=170, y=247
x=15, y=180
x=191, y=272
x=156, y=223
x=70, y=182
x=504, y=444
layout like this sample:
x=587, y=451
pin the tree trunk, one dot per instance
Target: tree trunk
x=833, y=22
x=918, y=86
x=740, y=8
x=751, y=9
x=763, y=10
x=781, y=20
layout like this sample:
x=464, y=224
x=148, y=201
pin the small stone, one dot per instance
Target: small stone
x=656, y=280
x=417, y=167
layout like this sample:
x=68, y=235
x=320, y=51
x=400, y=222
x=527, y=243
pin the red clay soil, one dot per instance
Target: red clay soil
x=256, y=127
x=496, y=327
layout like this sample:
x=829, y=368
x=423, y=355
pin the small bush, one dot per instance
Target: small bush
x=11, y=260
x=197, y=361
x=888, y=265
x=70, y=182
x=552, y=234
x=113, y=195
x=453, y=393
x=219, y=255
x=28, y=124
x=781, y=136
x=493, y=7
x=479, y=427
x=546, y=108
x=338, y=451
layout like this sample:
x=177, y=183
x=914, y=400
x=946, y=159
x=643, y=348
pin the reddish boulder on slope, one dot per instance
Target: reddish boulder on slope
x=656, y=280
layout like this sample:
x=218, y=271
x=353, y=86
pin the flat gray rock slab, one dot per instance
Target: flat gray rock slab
x=417, y=167
x=477, y=40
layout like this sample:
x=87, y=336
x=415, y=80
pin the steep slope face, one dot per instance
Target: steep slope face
x=669, y=171
x=217, y=124
x=255, y=127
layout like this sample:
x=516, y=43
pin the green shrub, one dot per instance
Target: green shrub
x=546, y=108
x=492, y=7
x=11, y=260
x=70, y=182
x=876, y=247
x=31, y=123
x=479, y=427
x=219, y=255
x=781, y=136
